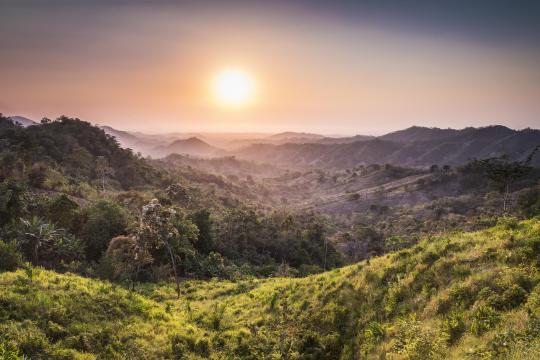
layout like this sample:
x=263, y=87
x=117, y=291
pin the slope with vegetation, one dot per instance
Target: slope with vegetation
x=466, y=295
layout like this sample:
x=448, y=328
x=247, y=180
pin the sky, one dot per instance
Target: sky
x=332, y=67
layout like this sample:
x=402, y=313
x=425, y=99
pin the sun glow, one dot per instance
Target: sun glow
x=233, y=88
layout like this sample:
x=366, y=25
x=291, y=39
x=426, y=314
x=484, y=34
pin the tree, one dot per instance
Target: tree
x=127, y=257
x=36, y=234
x=44, y=243
x=12, y=201
x=206, y=239
x=503, y=172
x=160, y=227
x=178, y=193
x=62, y=211
x=101, y=222
x=103, y=170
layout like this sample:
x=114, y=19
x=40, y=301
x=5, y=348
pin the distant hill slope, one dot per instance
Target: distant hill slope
x=411, y=147
x=22, y=121
x=291, y=136
x=467, y=295
x=224, y=166
x=418, y=133
x=190, y=146
x=344, y=140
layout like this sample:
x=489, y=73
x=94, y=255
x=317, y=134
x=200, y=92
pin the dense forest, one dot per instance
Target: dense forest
x=68, y=189
x=107, y=254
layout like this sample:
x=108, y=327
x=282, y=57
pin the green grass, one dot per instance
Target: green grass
x=466, y=295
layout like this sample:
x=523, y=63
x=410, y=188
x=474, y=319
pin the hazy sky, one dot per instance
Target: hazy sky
x=351, y=67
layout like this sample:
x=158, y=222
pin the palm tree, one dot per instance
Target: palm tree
x=37, y=234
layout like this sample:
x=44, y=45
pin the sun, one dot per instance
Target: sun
x=233, y=88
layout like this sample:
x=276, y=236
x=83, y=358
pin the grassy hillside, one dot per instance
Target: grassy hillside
x=466, y=295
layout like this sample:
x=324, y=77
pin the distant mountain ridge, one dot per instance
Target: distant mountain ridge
x=418, y=133
x=414, y=146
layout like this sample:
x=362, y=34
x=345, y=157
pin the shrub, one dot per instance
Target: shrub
x=216, y=317
x=8, y=352
x=10, y=257
x=513, y=296
x=454, y=326
x=101, y=222
x=62, y=211
x=529, y=203
x=202, y=347
x=484, y=318
x=37, y=174
x=181, y=346
x=416, y=342
x=311, y=346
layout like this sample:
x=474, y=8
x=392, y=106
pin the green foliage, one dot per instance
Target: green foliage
x=8, y=353
x=529, y=202
x=62, y=211
x=416, y=342
x=10, y=257
x=484, y=318
x=101, y=221
x=35, y=236
x=454, y=326
x=502, y=172
x=206, y=239
x=12, y=201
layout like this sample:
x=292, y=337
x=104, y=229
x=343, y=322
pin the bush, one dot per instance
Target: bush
x=529, y=203
x=181, y=346
x=416, y=342
x=102, y=221
x=202, y=347
x=62, y=211
x=484, y=318
x=454, y=326
x=7, y=352
x=10, y=257
x=37, y=175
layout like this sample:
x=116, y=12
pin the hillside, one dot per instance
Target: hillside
x=404, y=148
x=190, y=146
x=418, y=133
x=344, y=140
x=290, y=136
x=466, y=295
x=69, y=152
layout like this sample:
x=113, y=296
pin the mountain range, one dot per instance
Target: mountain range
x=415, y=146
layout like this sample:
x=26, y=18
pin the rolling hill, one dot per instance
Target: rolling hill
x=466, y=295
